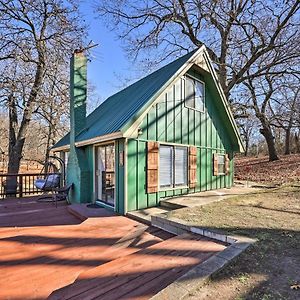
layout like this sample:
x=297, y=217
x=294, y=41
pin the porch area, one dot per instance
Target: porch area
x=48, y=252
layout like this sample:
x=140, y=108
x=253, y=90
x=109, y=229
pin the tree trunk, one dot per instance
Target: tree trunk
x=287, y=150
x=288, y=130
x=297, y=143
x=17, y=133
x=13, y=153
x=50, y=131
x=246, y=146
x=267, y=133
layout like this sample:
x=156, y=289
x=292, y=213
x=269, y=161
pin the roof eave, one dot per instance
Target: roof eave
x=61, y=148
x=100, y=139
x=95, y=140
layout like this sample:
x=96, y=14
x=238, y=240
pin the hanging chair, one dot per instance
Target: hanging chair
x=52, y=180
x=50, y=177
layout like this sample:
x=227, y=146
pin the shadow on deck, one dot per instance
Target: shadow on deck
x=46, y=251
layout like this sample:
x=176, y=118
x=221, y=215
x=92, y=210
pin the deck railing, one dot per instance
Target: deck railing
x=20, y=185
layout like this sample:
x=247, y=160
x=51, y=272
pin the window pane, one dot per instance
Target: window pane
x=66, y=158
x=110, y=157
x=221, y=159
x=199, y=95
x=221, y=169
x=221, y=164
x=190, y=93
x=165, y=166
x=180, y=166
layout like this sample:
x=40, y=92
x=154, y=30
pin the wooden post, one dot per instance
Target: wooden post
x=20, y=185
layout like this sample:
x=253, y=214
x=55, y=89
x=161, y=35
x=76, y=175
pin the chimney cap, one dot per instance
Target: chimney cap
x=79, y=51
x=82, y=49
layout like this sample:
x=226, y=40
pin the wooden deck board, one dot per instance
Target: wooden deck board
x=46, y=250
x=147, y=270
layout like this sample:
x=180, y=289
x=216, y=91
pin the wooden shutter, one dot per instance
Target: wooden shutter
x=192, y=166
x=152, y=167
x=227, y=164
x=215, y=164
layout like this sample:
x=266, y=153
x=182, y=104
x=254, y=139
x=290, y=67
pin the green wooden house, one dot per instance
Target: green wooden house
x=168, y=134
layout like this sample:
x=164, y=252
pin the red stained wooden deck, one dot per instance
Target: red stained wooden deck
x=46, y=251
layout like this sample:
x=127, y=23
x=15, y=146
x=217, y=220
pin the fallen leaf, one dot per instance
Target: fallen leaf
x=295, y=286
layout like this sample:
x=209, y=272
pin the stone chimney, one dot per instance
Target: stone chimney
x=78, y=172
x=78, y=93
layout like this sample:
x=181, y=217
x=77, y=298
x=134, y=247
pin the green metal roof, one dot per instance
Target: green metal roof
x=120, y=108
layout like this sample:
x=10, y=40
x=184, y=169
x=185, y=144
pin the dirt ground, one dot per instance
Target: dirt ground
x=270, y=269
x=287, y=169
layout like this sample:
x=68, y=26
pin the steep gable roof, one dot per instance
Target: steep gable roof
x=123, y=111
x=115, y=111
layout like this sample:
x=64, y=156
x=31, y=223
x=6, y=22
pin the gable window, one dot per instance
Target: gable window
x=172, y=166
x=194, y=93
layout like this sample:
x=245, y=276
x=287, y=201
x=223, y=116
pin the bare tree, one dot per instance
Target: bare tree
x=248, y=41
x=52, y=111
x=247, y=128
x=32, y=35
x=261, y=92
x=286, y=110
x=237, y=33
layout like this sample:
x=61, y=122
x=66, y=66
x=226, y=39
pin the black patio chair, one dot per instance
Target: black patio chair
x=61, y=194
x=58, y=194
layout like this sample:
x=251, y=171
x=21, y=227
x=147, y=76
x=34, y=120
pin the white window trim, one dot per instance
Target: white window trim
x=174, y=186
x=222, y=154
x=204, y=96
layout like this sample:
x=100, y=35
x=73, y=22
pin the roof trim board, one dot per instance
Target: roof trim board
x=98, y=139
x=224, y=99
x=101, y=138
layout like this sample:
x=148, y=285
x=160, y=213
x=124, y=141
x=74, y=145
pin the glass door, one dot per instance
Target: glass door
x=105, y=173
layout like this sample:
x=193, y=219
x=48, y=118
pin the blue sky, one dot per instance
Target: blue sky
x=108, y=60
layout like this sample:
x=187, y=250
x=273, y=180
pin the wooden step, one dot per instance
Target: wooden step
x=170, y=204
x=85, y=211
x=144, y=215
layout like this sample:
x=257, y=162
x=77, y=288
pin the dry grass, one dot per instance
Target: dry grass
x=269, y=268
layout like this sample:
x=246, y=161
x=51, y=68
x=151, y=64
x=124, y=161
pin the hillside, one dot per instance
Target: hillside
x=259, y=169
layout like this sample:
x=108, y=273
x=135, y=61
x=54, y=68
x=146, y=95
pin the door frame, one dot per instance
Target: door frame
x=95, y=183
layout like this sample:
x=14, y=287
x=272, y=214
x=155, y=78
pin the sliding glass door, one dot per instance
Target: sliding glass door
x=105, y=174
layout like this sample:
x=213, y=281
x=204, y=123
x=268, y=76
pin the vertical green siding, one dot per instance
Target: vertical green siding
x=119, y=184
x=169, y=121
x=90, y=159
x=141, y=200
x=131, y=175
